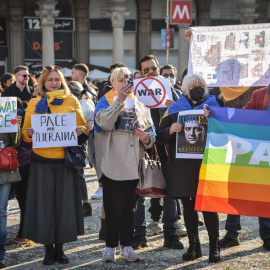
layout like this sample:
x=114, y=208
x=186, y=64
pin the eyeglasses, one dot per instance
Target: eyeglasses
x=24, y=75
x=167, y=75
x=50, y=68
x=146, y=70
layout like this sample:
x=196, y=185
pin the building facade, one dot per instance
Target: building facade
x=100, y=32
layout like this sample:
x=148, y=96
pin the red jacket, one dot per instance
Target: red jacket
x=256, y=101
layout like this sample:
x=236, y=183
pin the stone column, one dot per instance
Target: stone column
x=47, y=14
x=247, y=11
x=203, y=12
x=82, y=27
x=118, y=22
x=16, y=45
x=183, y=51
x=144, y=28
x=261, y=10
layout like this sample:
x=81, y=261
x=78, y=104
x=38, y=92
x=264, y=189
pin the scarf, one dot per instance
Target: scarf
x=182, y=104
x=266, y=100
x=49, y=98
x=141, y=111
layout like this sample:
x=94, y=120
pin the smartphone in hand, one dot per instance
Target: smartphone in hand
x=129, y=80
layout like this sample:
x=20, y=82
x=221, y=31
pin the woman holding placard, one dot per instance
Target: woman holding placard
x=183, y=173
x=53, y=208
x=118, y=151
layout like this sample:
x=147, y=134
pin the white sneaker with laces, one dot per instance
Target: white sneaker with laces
x=154, y=227
x=180, y=229
x=127, y=253
x=108, y=255
x=98, y=195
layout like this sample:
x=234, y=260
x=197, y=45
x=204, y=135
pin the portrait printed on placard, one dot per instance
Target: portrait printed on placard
x=190, y=142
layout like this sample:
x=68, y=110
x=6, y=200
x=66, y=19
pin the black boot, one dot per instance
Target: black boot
x=194, y=250
x=214, y=249
x=102, y=231
x=59, y=255
x=49, y=255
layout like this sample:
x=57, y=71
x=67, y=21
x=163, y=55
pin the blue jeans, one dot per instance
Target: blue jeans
x=233, y=227
x=169, y=216
x=91, y=148
x=4, y=192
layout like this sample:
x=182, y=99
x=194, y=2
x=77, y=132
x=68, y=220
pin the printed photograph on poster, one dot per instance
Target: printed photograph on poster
x=190, y=142
x=128, y=121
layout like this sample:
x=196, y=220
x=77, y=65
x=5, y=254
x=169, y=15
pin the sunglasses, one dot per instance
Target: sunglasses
x=24, y=75
x=52, y=68
x=146, y=70
x=167, y=75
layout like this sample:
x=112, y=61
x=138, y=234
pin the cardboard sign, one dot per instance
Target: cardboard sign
x=153, y=91
x=54, y=130
x=190, y=142
x=8, y=115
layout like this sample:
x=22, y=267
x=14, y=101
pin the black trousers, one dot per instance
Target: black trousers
x=21, y=192
x=191, y=218
x=119, y=203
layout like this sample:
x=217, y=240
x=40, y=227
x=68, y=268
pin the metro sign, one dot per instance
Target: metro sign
x=180, y=12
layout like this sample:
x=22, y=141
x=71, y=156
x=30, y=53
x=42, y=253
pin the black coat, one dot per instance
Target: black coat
x=182, y=175
x=14, y=91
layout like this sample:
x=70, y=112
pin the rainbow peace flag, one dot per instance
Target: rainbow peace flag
x=235, y=171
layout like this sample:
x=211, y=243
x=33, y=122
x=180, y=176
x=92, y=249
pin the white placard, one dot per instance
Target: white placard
x=8, y=115
x=233, y=56
x=54, y=130
x=153, y=91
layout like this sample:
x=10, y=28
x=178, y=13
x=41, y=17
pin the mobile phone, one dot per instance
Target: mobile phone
x=129, y=80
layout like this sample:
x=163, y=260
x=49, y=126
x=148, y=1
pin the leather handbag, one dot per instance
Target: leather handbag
x=151, y=180
x=75, y=157
x=8, y=159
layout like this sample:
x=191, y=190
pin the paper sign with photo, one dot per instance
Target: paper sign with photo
x=190, y=142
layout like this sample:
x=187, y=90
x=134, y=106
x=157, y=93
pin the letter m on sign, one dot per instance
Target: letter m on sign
x=180, y=12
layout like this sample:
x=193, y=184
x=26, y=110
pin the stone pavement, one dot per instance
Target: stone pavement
x=86, y=253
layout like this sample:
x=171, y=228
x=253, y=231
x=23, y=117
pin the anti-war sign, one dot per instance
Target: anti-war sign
x=234, y=55
x=54, y=130
x=8, y=114
x=153, y=91
x=235, y=171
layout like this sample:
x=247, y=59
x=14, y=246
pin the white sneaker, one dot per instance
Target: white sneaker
x=98, y=195
x=108, y=255
x=180, y=229
x=127, y=253
x=154, y=227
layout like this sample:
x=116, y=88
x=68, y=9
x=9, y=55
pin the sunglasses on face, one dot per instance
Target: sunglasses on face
x=167, y=75
x=24, y=75
x=52, y=68
x=146, y=70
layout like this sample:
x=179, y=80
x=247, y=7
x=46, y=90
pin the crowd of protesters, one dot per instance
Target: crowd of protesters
x=53, y=198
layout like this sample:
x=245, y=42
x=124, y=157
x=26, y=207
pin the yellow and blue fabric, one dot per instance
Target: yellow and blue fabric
x=182, y=104
x=49, y=98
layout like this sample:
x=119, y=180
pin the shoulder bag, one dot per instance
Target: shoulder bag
x=8, y=159
x=151, y=180
x=75, y=157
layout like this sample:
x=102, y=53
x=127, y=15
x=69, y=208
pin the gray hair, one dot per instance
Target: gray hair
x=193, y=79
x=119, y=71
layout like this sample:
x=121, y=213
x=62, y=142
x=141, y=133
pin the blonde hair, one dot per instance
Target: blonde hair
x=44, y=76
x=116, y=72
x=193, y=79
